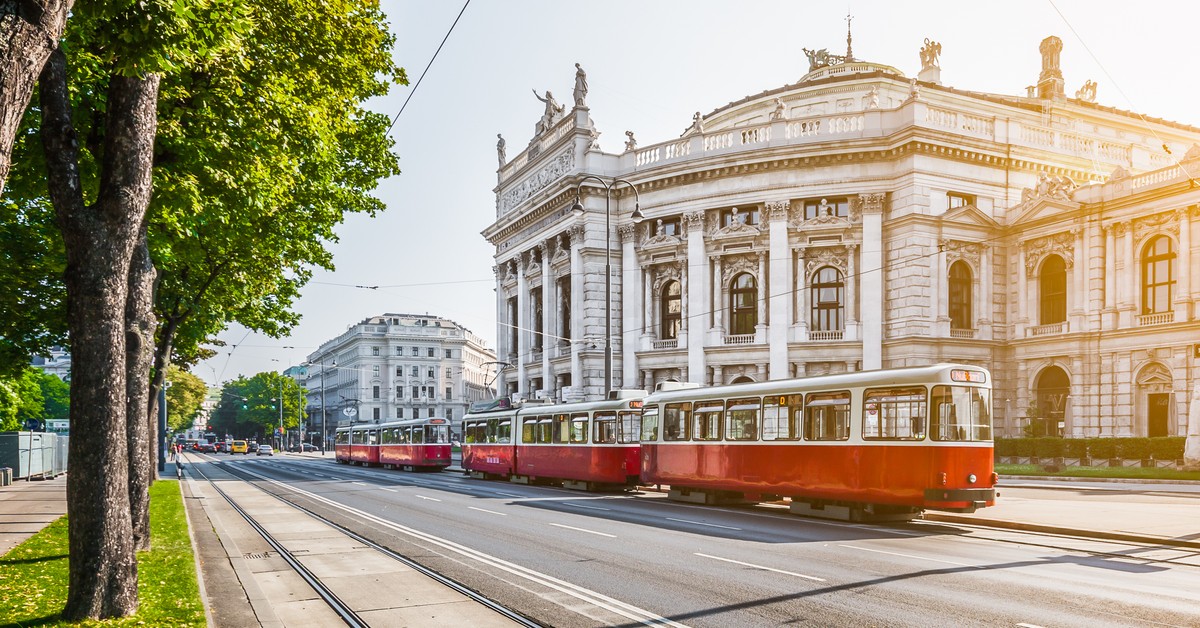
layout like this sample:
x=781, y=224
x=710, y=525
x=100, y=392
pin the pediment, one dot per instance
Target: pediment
x=1043, y=208
x=970, y=215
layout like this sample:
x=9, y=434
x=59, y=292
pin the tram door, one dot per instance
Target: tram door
x=1156, y=420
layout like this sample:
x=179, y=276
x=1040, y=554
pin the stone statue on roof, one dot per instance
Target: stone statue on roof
x=930, y=53
x=500, y=149
x=1087, y=93
x=581, y=87
x=816, y=58
x=630, y=142
x=553, y=111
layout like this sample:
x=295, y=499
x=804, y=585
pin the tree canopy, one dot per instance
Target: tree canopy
x=185, y=397
x=250, y=407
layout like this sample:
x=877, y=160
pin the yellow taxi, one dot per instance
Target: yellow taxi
x=239, y=447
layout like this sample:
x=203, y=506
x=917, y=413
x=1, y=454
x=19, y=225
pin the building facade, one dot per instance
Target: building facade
x=57, y=363
x=861, y=219
x=397, y=366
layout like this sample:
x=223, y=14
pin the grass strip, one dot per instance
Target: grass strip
x=1134, y=473
x=34, y=575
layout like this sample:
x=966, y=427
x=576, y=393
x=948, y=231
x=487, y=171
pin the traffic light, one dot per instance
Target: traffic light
x=245, y=407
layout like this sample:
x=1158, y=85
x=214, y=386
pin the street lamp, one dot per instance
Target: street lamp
x=577, y=210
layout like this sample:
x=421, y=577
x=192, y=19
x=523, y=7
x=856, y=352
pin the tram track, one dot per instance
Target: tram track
x=344, y=610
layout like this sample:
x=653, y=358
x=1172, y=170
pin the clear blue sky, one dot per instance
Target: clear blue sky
x=650, y=66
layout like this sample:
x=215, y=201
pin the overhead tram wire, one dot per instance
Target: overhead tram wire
x=426, y=70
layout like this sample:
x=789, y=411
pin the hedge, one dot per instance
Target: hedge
x=1129, y=448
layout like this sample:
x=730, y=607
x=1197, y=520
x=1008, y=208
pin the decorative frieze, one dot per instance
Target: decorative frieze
x=663, y=273
x=561, y=164
x=956, y=250
x=734, y=265
x=817, y=257
x=1163, y=223
x=1060, y=244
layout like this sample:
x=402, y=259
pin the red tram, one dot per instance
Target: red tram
x=588, y=445
x=873, y=445
x=411, y=444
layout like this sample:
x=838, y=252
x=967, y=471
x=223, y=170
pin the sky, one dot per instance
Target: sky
x=651, y=65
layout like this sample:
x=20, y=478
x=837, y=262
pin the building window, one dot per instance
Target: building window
x=743, y=305
x=399, y=371
x=514, y=323
x=375, y=414
x=399, y=350
x=429, y=374
x=416, y=352
x=415, y=390
x=399, y=413
x=416, y=372
x=399, y=392
x=374, y=392
x=429, y=413
x=535, y=314
x=374, y=350
x=375, y=369
x=429, y=352
x=448, y=391
x=827, y=296
x=668, y=226
x=672, y=311
x=826, y=207
x=958, y=199
x=447, y=354
x=1052, y=291
x=564, y=301
x=739, y=215
x=448, y=375
x=449, y=414
x=960, y=296
x=1158, y=276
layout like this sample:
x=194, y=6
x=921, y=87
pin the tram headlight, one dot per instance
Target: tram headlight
x=971, y=478
x=942, y=477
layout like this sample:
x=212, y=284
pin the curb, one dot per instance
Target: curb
x=1065, y=478
x=1047, y=529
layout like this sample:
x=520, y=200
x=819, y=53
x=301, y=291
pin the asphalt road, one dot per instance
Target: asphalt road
x=576, y=559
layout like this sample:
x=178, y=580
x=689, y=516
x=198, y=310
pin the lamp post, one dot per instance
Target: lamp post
x=577, y=210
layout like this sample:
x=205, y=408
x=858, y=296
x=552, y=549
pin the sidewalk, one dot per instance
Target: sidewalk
x=230, y=581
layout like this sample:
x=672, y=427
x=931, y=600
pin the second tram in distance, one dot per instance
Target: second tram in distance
x=411, y=444
x=882, y=444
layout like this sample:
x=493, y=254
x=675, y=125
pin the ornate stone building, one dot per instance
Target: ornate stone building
x=860, y=219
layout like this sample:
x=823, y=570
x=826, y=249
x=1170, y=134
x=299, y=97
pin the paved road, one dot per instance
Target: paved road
x=576, y=559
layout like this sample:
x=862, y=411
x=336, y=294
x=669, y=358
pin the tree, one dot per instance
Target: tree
x=29, y=30
x=251, y=406
x=56, y=395
x=31, y=395
x=185, y=396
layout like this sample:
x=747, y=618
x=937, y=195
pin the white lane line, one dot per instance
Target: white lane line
x=361, y=483
x=559, y=525
x=488, y=511
x=432, y=499
x=738, y=562
x=1025, y=625
x=507, y=494
x=936, y=560
x=588, y=507
x=701, y=523
x=391, y=490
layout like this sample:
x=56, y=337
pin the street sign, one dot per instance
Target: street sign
x=349, y=411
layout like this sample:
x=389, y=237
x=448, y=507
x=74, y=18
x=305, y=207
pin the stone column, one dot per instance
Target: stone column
x=872, y=279
x=1110, y=276
x=697, y=293
x=1129, y=279
x=937, y=290
x=548, y=340
x=1079, y=282
x=779, y=289
x=631, y=305
x=760, y=330
x=1183, y=297
x=852, y=331
x=648, y=380
x=984, y=319
x=1022, y=291
x=502, y=349
x=522, y=324
x=684, y=287
x=649, y=322
x=718, y=377
x=803, y=309
x=718, y=305
x=576, y=233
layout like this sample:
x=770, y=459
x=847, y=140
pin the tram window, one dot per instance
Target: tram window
x=961, y=413
x=649, y=424
x=545, y=427
x=741, y=419
x=677, y=417
x=706, y=417
x=469, y=433
x=630, y=425
x=437, y=434
x=504, y=431
x=579, y=423
x=402, y=435
x=492, y=426
x=605, y=427
x=529, y=430
x=827, y=416
x=781, y=417
x=417, y=436
x=562, y=429
x=895, y=413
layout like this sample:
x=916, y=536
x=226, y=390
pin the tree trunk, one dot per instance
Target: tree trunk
x=141, y=433
x=100, y=240
x=29, y=30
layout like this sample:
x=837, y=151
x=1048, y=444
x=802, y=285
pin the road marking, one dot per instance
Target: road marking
x=559, y=525
x=588, y=507
x=738, y=562
x=488, y=511
x=701, y=523
x=361, y=483
x=391, y=490
x=1025, y=625
x=936, y=560
x=432, y=499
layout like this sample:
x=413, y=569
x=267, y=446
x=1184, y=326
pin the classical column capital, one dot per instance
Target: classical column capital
x=627, y=231
x=872, y=202
x=777, y=210
x=575, y=234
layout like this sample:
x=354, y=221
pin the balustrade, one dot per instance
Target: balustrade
x=1160, y=318
x=739, y=339
x=1047, y=330
x=836, y=334
x=756, y=135
x=963, y=333
x=718, y=141
x=665, y=344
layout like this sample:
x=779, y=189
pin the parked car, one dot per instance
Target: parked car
x=308, y=447
x=219, y=446
x=265, y=450
x=239, y=447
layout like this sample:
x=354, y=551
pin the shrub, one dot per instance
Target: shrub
x=1048, y=447
x=1133, y=448
x=1102, y=448
x=1167, y=447
x=1075, y=447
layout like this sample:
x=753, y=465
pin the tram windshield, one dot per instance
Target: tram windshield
x=437, y=434
x=962, y=413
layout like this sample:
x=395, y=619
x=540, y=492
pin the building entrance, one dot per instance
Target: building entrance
x=1158, y=413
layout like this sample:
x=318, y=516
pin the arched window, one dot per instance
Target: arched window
x=1052, y=291
x=671, y=314
x=743, y=305
x=1053, y=386
x=1158, y=275
x=960, y=296
x=828, y=299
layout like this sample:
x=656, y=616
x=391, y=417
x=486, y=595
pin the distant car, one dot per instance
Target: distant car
x=206, y=448
x=308, y=447
x=265, y=450
x=220, y=446
x=239, y=447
